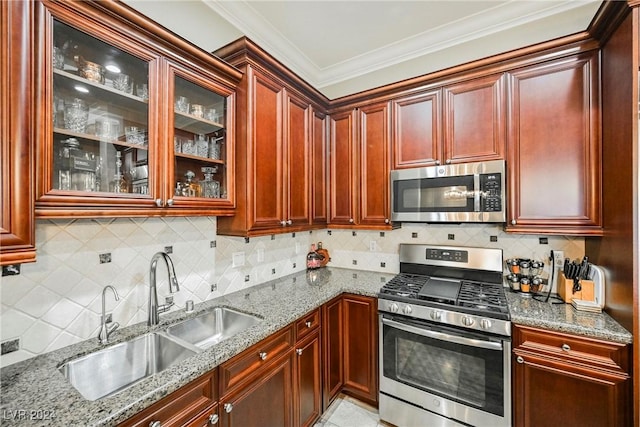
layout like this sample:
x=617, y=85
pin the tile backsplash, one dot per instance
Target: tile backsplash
x=56, y=301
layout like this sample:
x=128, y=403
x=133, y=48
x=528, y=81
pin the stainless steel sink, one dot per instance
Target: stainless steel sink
x=115, y=368
x=212, y=327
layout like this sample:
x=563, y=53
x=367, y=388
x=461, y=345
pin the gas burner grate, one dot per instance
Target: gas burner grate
x=485, y=296
x=404, y=285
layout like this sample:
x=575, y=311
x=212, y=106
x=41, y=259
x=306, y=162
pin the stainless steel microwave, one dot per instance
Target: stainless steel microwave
x=465, y=192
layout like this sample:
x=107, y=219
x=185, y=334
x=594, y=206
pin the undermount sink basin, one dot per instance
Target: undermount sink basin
x=115, y=368
x=211, y=327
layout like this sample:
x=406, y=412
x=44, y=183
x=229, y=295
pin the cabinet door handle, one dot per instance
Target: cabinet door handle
x=155, y=424
x=289, y=222
x=513, y=222
x=308, y=323
x=566, y=347
x=448, y=161
x=159, y=203
x=228, y=407
x=386, y=220
x=519, y=359
x=299, y=351
x=351, y=221
x=262, y=355
x=437, y=162
x=213, y=419
x=170, y=202
x=283, y=223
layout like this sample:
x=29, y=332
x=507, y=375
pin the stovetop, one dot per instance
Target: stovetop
x=481, y=298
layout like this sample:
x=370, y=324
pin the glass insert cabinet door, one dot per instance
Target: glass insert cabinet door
x=199, y=140
x=100, y=117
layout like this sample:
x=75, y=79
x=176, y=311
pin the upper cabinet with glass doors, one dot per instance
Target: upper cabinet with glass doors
x=135, y=121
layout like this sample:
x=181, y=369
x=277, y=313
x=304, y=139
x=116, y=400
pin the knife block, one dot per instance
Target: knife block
x=565, y=290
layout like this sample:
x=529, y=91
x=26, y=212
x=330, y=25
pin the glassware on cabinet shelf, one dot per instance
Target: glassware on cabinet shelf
x=191, y=187
x=76, y=168
x=210, y=187
x=76, y=114
x=182, y=104
x=202, y=146
x=119, y=183
x=215, y=148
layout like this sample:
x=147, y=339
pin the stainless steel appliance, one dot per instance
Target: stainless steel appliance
x=445, y=346
x=465, y=192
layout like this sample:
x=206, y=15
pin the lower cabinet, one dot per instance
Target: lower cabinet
x=188, y=405
x=286, y=380
x=562, y=379
x=264, y=401
x=360, y=359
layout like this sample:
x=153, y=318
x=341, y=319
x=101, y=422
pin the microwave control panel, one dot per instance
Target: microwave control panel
x=491, y=187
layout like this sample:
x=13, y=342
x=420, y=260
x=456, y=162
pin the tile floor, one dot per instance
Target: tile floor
x=346, y=411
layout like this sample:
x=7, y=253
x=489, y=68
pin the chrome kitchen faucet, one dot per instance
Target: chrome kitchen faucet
x=105, y=331
x=154, y=308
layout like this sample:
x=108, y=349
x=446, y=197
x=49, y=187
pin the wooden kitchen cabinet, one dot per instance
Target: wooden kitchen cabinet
x=265, y=401
x=134, y=121
x=17, y=148
x=319, y=161
x=350, y=330
x=188, y=405
x=360, y=161
x=279, y=143
x=554, y=147
x=563, y=379
x=308, y=370
x=460, y=122
x=361, y=347
x=332, y=350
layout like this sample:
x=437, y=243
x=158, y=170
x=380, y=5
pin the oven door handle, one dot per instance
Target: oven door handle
x=443, y=337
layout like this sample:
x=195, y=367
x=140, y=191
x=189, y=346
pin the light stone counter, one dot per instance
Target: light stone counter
x=34, y=392
x=564, y=318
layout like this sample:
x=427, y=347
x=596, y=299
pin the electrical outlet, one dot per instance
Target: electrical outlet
x=260, y=254
x=373, y=246
x=237, y=259
x=558, y=259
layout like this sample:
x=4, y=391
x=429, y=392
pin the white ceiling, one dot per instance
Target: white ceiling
x=343, y=47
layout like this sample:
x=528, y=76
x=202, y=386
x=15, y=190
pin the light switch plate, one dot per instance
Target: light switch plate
x=238, y=259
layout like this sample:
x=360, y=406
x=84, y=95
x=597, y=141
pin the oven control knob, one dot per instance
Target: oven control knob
x=407, y=310
x=485, y=324
x=393, y=307
x=436, y=315
x=467, y=321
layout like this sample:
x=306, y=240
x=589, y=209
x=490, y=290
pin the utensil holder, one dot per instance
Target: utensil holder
x=565, y=290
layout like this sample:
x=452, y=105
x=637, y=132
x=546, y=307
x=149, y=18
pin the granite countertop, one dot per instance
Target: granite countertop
x=34, y=392
x=565, y=318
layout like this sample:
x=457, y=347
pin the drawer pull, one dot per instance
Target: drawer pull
x=566, y=347
x=299, y=351
x=308, y=323
x=262, y=355
x=228, y=407
x=213, y=419
x=519, y=359
x=155, y=424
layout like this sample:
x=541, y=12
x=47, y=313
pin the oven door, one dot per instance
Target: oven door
x=460, y=375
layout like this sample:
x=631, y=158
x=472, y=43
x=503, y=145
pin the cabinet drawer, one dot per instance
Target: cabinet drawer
x=181, y=405
x=307, y=324
x=572, y=348
x=252, y=360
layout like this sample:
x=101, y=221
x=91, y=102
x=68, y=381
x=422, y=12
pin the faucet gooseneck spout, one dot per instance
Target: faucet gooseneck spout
x=154, y=308
x=105, y=331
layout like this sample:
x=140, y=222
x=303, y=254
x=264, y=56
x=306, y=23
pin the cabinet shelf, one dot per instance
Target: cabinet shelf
x=68, y=80
x=194, y=124
x=90, y=137
x=200, y=159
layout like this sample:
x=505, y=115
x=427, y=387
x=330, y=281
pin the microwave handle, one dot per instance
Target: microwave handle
x=442, y=336
x=476, y=193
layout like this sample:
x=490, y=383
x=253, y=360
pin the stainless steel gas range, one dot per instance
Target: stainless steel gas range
x=445, y=346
